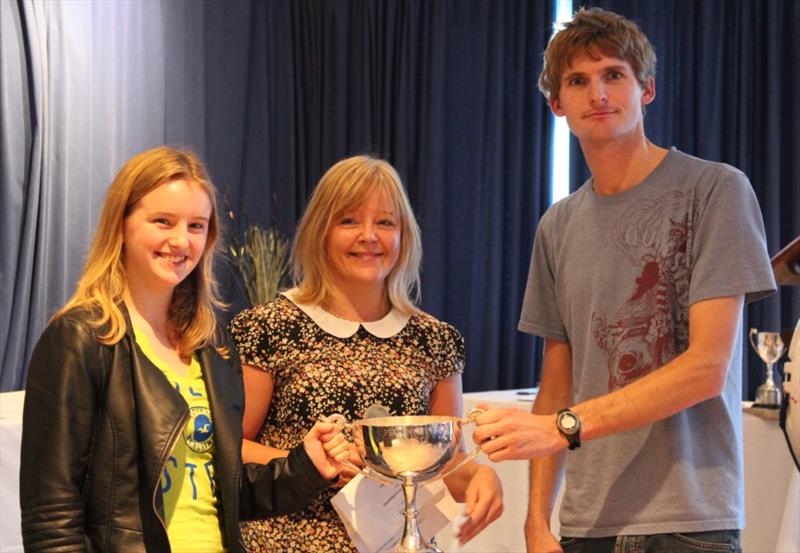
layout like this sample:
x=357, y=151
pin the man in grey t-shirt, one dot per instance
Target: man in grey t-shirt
x=637, y=283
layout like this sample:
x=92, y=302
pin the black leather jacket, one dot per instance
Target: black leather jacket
x=99, y=423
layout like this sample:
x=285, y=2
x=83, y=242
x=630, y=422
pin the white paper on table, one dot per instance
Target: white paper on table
x=373, y=513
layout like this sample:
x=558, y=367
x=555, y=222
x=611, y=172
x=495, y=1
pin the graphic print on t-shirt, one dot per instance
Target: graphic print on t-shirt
x=199, y=432
x=648, y=329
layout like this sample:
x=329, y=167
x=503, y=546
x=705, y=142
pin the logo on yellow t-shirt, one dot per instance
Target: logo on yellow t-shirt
x=199, y=432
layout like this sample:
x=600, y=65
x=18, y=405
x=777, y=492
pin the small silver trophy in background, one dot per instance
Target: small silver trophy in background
x=769, y=347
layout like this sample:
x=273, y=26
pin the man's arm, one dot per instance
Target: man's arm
x=555, y=392
x=694, y=376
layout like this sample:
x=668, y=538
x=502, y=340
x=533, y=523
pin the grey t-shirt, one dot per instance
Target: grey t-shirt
x=614, y=276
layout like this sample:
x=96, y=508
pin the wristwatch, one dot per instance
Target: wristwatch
x=569, y=425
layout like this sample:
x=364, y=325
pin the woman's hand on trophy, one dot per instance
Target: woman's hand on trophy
x=483, y=502
x=327, y=448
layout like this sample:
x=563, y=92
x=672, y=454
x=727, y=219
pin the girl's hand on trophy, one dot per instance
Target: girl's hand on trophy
x=348, y=473
x=483, y=502
x=336, y=446
x=327, y=448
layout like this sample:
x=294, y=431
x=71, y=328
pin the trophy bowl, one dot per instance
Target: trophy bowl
x=409, y=450
x=416, y=446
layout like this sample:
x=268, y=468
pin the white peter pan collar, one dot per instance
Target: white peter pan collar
x=391, y=324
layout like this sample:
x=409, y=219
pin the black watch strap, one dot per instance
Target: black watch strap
x=569, y=425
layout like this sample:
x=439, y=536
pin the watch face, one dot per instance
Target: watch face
x=568, y=422
x=570, y=426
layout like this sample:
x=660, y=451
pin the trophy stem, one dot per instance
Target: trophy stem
x=768, y=394
x=412, y=541
x=769, y=380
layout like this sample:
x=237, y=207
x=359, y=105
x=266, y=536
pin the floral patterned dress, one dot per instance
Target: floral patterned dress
x=321, y=365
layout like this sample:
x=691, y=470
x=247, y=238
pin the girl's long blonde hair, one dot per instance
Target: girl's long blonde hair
x=191, y=318
x=345, y=186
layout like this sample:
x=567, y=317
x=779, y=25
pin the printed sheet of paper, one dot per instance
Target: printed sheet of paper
x=373, y=512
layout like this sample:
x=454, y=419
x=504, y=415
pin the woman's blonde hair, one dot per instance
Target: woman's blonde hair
x=191, y=319
x=343, y=187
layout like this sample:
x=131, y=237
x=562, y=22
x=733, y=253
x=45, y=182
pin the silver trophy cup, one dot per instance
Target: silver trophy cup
x=408, y=450
x=769, y=347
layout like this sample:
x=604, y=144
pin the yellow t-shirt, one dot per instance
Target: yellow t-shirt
x=190, y=502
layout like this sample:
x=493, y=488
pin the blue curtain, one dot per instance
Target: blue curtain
x=83, y=86
x=727, y=90
x=444, y=90
x=272, y=94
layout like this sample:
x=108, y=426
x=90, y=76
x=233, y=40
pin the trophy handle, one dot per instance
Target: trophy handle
x=753, y=332
x=470, y=419
x=340, y=421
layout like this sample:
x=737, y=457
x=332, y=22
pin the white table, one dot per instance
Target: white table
x=772, y=488
x=10, y=436
x=505, y=535
x=772, y=485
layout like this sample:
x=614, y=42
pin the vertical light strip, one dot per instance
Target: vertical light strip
x=559, y=170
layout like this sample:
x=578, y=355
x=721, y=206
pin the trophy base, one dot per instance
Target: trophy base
x=765, y=406
x=418, y=547
x=768, y=396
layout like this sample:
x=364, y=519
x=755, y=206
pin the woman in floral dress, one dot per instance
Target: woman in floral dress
x=346, y=337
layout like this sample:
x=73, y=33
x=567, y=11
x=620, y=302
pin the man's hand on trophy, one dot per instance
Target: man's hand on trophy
x=514, y=434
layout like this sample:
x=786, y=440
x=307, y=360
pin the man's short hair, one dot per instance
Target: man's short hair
x=595, y=32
